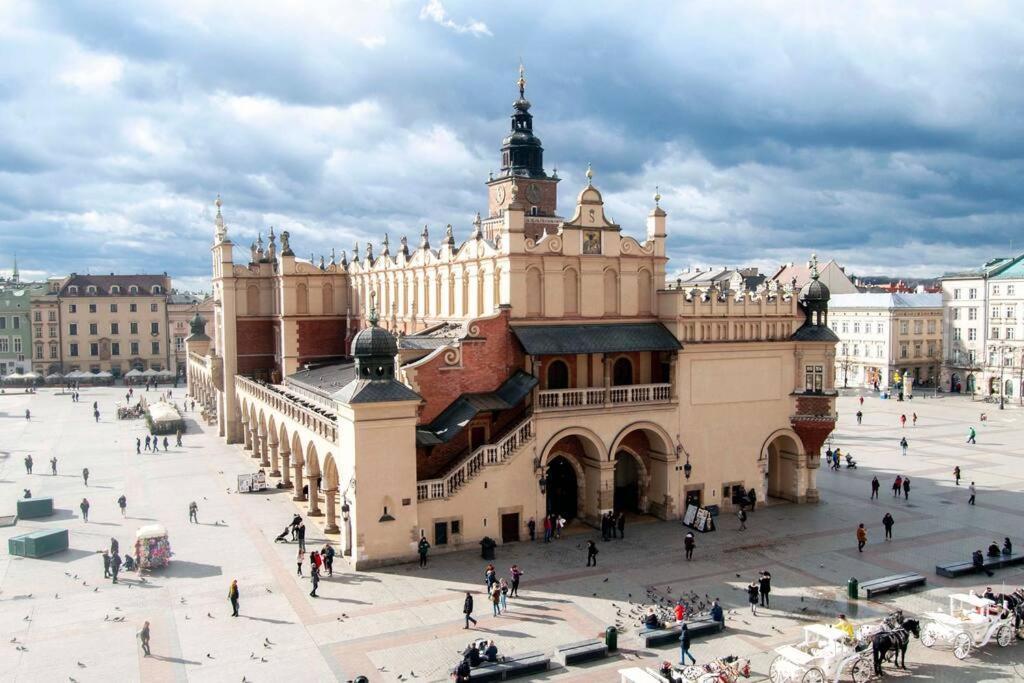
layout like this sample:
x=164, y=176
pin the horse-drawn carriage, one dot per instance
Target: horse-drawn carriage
x=824, y=655
x=972, y=621
x=723, y=670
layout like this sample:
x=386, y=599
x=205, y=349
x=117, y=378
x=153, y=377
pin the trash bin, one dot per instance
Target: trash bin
x=851, y=588
x=487, y=546
x=611, y=638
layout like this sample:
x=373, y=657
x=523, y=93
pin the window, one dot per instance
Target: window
x=972, y=293
x=970, y=356
x=904, y=348
x=972, y=313
x=856, y=349
x=115, y=328
x=995, y=290
x=115, y=289
x=931, y=327
x=93, y=328
x=16, y=322
x=956, y=333
x=1011, y=312
x=156, y=348
x=972, y=334
x=846, y=327
x=37, y=316
x=94, y=349
x=917, y=349
x=92, y=308
x=856, y=328
x=155, y=289
x=456, y=527
x=881, y=328
x=113, y=308
x=152, y=308
x=73, y=329
x=133, y=327
x=904, y=327
x=179, y=343
x=133, y=290
x=1009, y=290
x=814, y=378
x=133, y=308
x=3, y=322
x=956, y=293
x=846, y=349
x=931, y=348
x=1009, y=333
x=53, y=331
x=39, y=351
x=134, y=348
x=53, y=352
x=115, y=349
x=995, y=333
x=73, y=350
x=17, y=345
x=154, y=328
x=72, y=308
x=39, y=331
x=918, y=326
x=995, y=311
x=52, y=316
x=5, y=344
x=73, y=289
x=91, y=289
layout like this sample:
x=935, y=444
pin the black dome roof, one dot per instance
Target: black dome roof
x=374, y=341
x=815, y=290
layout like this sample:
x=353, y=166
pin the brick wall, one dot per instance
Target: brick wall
x=321, y=338
x=256, y=347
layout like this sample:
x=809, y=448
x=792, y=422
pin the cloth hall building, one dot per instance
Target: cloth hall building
x=454, y=390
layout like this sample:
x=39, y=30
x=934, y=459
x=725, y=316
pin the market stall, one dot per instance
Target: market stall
x=164, y=418
x=152, y=548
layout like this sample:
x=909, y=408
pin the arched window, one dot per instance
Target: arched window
x=558, y=375
x=534, y=293
x=156, y=289
x=328, y=299
x=622, y=372
x=611, y=292
x=133, y=289
x=644, y=292
x=73, y=289
x=115, y=289
x=91, y=289
x=570, y=292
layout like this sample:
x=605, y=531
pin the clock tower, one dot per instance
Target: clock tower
x=522, y=164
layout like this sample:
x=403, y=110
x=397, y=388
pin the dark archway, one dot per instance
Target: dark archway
x=562, y=489
x=558, y=375
x=627, y=483
x=622, y=372
x=970, y=384
x=954, y=383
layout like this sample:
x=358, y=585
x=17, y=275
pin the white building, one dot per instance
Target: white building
x=881, y=334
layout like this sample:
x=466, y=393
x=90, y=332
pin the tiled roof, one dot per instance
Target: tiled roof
x=539, y=340
x=103, y=283
x=814, y=333
x=325, y=379
x=456, y=416
x=375, y=391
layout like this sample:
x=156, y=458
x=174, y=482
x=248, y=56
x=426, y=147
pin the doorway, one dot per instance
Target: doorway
x=622, y=372
x=693, y=498
x=627, y=483
x=562, y=489
x=510, y=527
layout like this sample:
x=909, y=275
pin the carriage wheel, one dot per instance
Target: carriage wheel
x=928, y=636
x=1004, y=636
x=814, y=675
x=961, y=646
x=775, y=674
x=862, y=670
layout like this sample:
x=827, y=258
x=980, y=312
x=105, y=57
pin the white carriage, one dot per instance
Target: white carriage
x=824, y=655
x=972, y=621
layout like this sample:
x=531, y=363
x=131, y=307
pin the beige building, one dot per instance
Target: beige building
x=884, y=334
x=181, y=308
x=456, y=390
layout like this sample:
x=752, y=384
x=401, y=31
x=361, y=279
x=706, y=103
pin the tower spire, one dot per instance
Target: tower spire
x=522, y=80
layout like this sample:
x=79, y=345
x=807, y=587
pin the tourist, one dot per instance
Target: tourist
x=862, y=400
x=96, y=414
x=621, y=524
x=129, y=563
x=752, y=499
x=684, y=646
x=970, y=501
x=106, y=564
x=607, y=529
x=327, y=555
x=516, y=574
x=489, y=577
x=193, y=513
x=115, y=566
x=28, y=415
x=53, y=466
x=314, y=576
x=875, y=485
x=315, y=561
x=860, y=416
x=717, y=613
x=689, y=542
x=956, y=474
x=423, y=548
x=971, y=434
x=591, y=554
x=147, y=443
x=887, y=522
x=845, y=626
x=897, y=485
x=547, y=528
x=84, y=507
x=165, y=444
x=233, y=597
x=138, y=447
x=903, y=445
x=651, y=620
x=491, y=652
x=299, y=559
x=906, y=488
x=301, y=533
x=680, y=611
x=296, y=521
x=496, y=599
x=532, y=528
x=467, y=609
x=742, y=516
x=862, y=538
x=1007, y=546
x=828, y=457
x=903, y=420
x=463, y=672
x=144, y=638
x=28, y=464
x=85, y=475
x=765, y=586
x=752, y=596
x=122, y=503
x=178, y=437
x=914, y=416
x=503, y=586
x=115, y=548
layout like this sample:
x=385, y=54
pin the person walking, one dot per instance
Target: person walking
x=914, y=418
x=516, y=573
x=144, y=639
x=495, y=597
x=85, y=475
x=233, y=597
x=897, y=485
x=547, y=528
x=689, y=542
x=301, y=532
x=742, y=516
x=591, y=554
x=903, y=445
x=327, y=555
x=193, y=513
x=887, y=522
x=531, y=526
x=862, y=538
x=147, y=443
x=423, y=548
x=621, y=524
x=53, y=466
x=314, y=576
x=970, y=501
x=122, y=503
x=503, y=587
x=862, y=400
x=752, y=596
x=467, y=610
x=971, y=434
x=106, y=564
x=178, y=439
x=906, y=488
x=96, y=414
x=165, y=444
x=138, y=450
x=490, y=577
x=559, y=525
x=684, y=646
x=903, y=421
x=764, y=583
x=28, y=464
x=875, y=485
x=956, y=474
x=84, y=507
x=115, y=566
x=860, y=416
x=299, y=559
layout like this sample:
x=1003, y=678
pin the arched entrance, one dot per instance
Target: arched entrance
x=954, y=383
x=558, y=375
x=970, y=383
x=1008, y=390
x=993, y=386
x=562, y=487
x=784, y=453
x=622, y=372
x=627, y=483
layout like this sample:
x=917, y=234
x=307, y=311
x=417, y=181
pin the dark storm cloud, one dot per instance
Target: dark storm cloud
x=886, y=135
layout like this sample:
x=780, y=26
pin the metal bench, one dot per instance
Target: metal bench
x=511, y=667
x=952, y=570
x=583, y=651
x=670, y=635
x=890, y=584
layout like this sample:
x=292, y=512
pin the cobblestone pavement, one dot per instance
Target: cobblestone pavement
x=405, y=621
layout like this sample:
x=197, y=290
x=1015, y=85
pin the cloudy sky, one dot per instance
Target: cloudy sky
x=888, y=135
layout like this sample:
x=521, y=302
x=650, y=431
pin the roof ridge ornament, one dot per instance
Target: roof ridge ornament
x=522, y=80
x=221, y=231
x=590, y=175
x=425, y=238
x=373, y=318
x=814, y=266
x=657, y=195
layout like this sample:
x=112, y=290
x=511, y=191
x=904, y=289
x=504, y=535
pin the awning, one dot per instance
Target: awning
x=547, y=340
x=455, y=417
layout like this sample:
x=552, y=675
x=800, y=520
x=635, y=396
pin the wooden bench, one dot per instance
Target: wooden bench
x=583, y=651
x=890, y=584
x=511, y=667
x=952, y=570
x=670, y=636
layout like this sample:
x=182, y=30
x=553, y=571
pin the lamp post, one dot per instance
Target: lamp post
x=1002, y=388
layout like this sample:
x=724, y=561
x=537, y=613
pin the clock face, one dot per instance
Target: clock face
x=533, y=193
x=499, y=194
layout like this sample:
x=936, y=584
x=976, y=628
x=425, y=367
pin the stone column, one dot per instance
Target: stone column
x=298, y=483
x=274, y=469
x=314, y=499
x=264, y=453
x=246, y=434
x=332, y=518
x=255, y=437
x=286, y=456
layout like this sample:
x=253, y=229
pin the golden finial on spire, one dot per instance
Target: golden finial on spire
x=522, y=80
x=657, y=195
x=590, y=175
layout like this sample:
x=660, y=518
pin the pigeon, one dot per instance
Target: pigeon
x=413, y=674
x=269, y=591
x=56, y=596
x=209, y=656
x=14, y=639
x=84, y=583
x=266, y=646
x=106, y=617
x=27, y=618
x=605, y=580
x=183, y=601
x=117, y=608
x=188, y=618
x=209, y=615
x=267, y=641
x=263, y=660
x=81, y=665
x=97, y=588
x=252, y=655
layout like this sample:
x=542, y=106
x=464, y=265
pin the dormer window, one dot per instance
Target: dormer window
x=155, y=289
x=533, y=210
x=91, y=289
x=73, y=289
x=133, y=290
x=115, y=289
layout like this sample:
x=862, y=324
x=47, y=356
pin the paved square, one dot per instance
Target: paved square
x=406, y=622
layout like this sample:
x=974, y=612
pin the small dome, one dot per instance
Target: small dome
x=815, y=290
x=374, y=341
